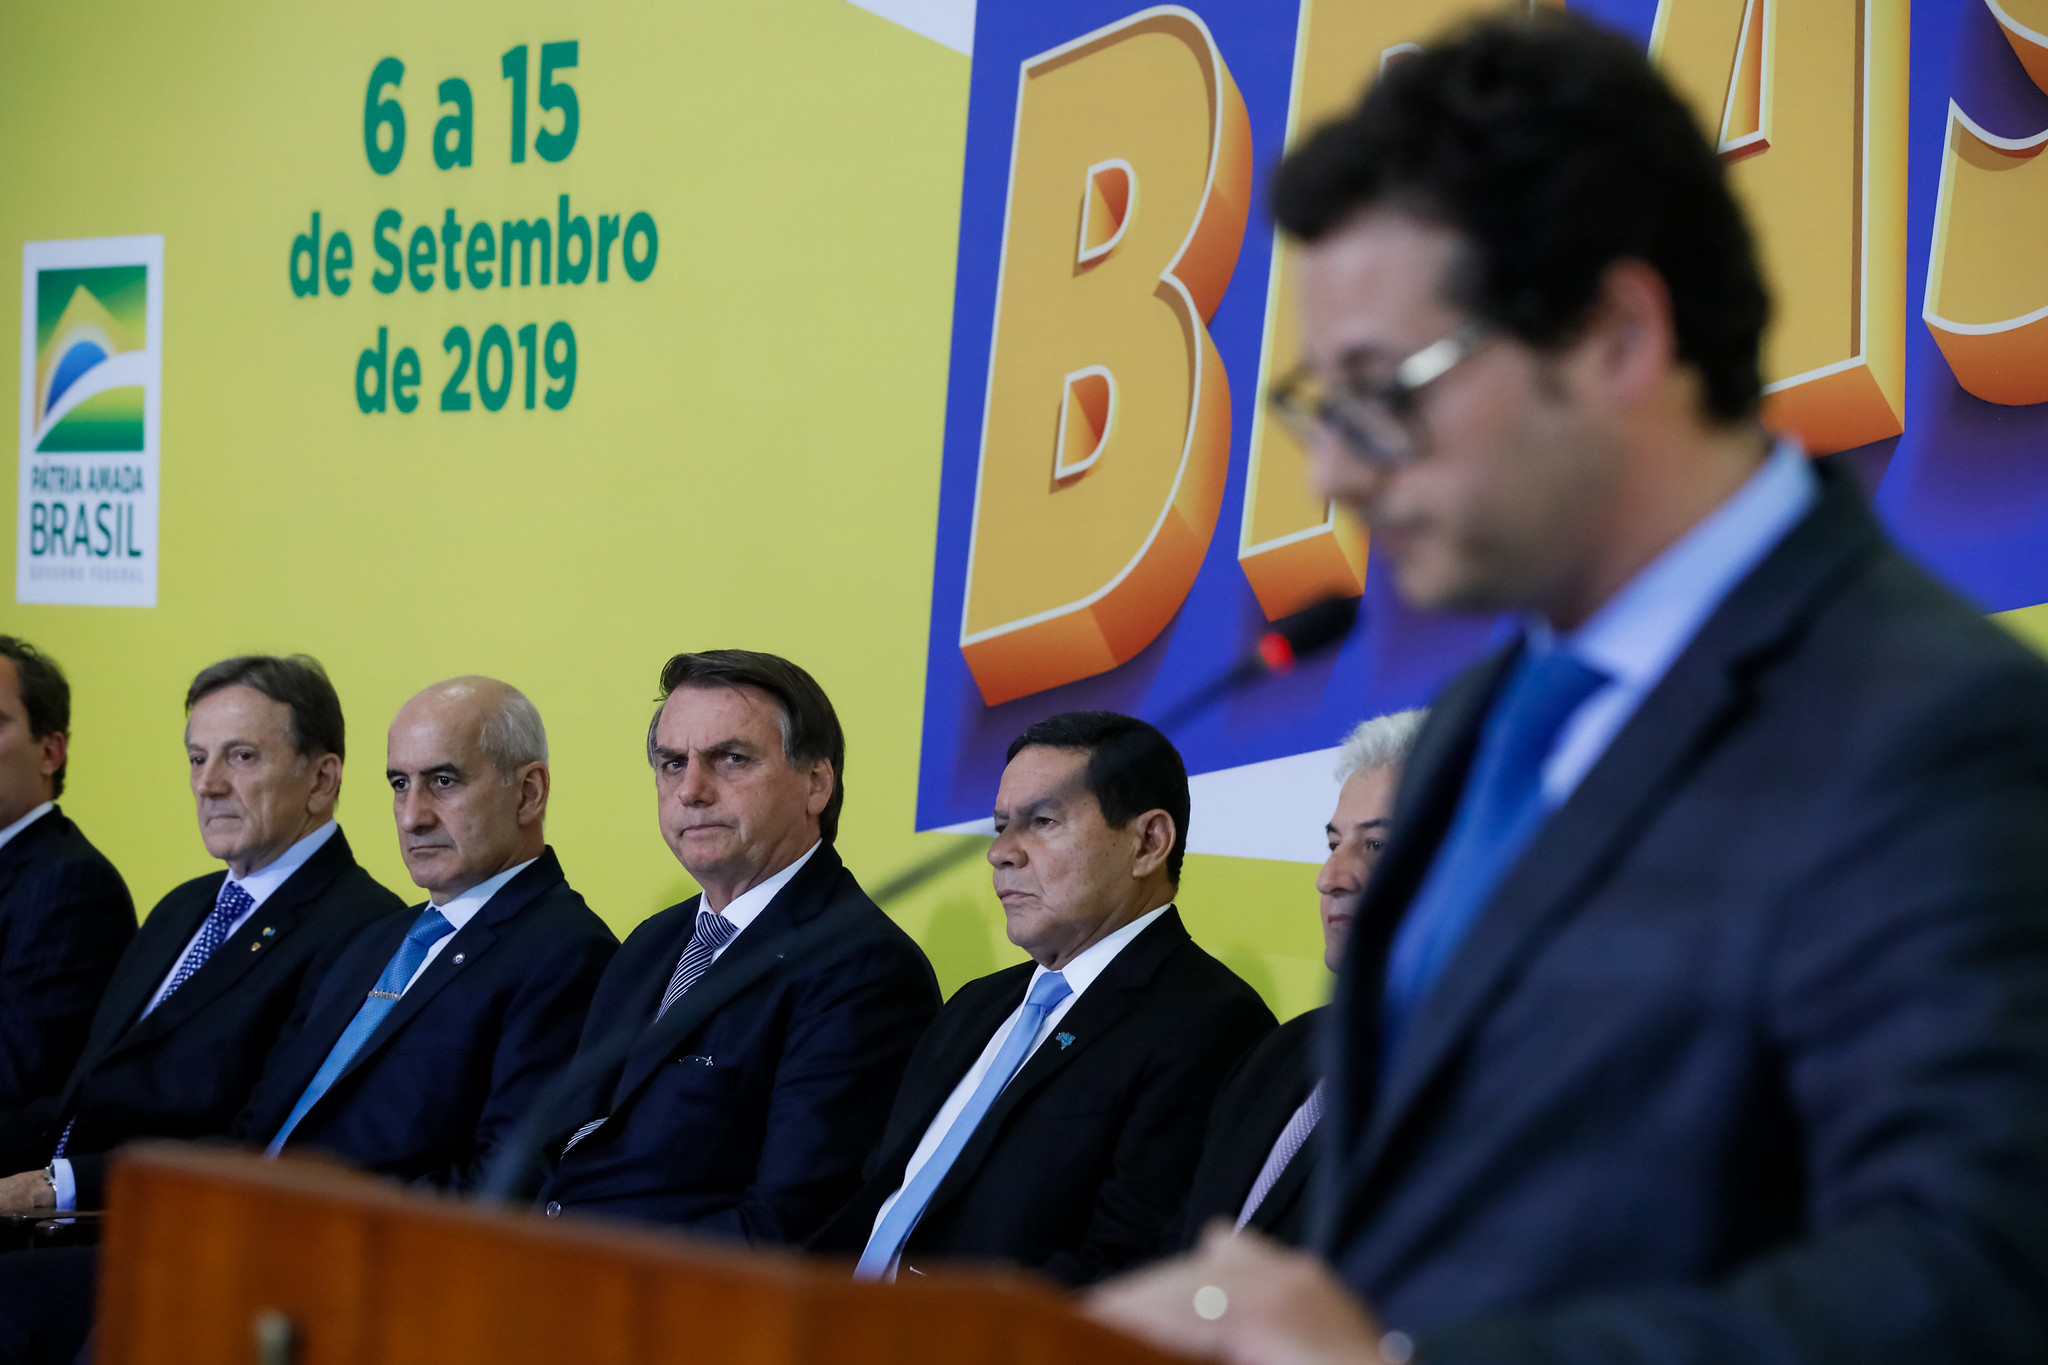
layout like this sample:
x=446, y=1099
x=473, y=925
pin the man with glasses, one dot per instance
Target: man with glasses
x=1699, y=1008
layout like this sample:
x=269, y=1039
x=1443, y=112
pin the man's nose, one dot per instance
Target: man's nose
x=210, y=778
x=414, y=812
x=695, y=787
x=1005, y=851
x=1343, y=873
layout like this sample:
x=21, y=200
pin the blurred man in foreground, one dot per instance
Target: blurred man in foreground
x=1052, y=1114
x=1698, y=1010
x=65, y=914
x=422, y=1047
x=1258, y=1157
x=743, y=1046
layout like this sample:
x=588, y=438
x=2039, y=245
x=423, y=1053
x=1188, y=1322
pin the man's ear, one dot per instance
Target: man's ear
x=326, y=783
x=1630, y=342
x=56, y=747
x=822, y=784
x=534, y=784
x=1155, y=833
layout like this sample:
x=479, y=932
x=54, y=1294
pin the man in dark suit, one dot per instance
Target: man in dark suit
x=65, y=914
x=1699, y=1008
x=200, y=996
x=420, y=1049
x=1052, y=1115
x=1257, y=1159
x=740, y=1054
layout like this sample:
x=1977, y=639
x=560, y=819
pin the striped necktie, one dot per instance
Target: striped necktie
x=713, y=932
x=430, y=928
x=1292, y=1139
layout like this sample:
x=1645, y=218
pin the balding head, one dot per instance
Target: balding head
x=467, y=763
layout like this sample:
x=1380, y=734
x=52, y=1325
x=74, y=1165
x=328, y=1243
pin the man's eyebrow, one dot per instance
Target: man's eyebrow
x=1032, y=807
x=436, y=770
x=1378, y=821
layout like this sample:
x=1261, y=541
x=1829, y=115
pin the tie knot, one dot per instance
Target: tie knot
x=1048, y=991
x=429, y=927
x=1543, y=694
x=714, y=928
x=233, y=900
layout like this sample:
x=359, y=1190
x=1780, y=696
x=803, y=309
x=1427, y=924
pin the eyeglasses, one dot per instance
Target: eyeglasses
x=1376, y=423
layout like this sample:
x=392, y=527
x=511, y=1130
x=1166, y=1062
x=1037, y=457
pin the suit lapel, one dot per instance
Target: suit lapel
x=1112, y=996
x=470, y=942
x=141, y=974
x=951, y=1057
x=763, y=945
x=17, y=853
x=257, y=940
x=1676, y=725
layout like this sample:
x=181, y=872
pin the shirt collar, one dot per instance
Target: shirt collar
x=266, y=879
x=25, y=821
x=1641, y=630
x=461, y=909
x=1090, y=962
x=746, y=907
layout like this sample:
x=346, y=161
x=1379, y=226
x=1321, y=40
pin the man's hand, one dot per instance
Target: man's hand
x=28, y=1192
x=1249, y=1301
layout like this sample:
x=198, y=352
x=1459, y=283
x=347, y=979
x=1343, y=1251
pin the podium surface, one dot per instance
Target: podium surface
x=205, y=1251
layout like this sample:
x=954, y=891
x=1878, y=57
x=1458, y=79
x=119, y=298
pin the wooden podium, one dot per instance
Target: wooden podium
x=214, y=1257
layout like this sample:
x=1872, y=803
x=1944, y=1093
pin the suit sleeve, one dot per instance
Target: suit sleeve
x=849, y=1040
x=1907, y=996
x=1153, y=1163
x=70, y=920
x=537, y=1040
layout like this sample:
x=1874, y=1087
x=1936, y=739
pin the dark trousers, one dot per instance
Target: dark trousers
x=46, y=1302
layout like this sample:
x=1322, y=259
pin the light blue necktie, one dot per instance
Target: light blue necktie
x=895, y=1230
x=1501, y=808
x=430, y=928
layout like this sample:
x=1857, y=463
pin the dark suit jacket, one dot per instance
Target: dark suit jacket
x=1085, y=1157
x=1250, y=1112
x=185, y=1069
x=1747, y=1057
x=458, y=1060
x=65, y=916
x=747, y=1110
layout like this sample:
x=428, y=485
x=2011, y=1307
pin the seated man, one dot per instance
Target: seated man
x=743, y=1046
x=201, y=994
x=1052, y=1115
x=1256, y=1161
x=65, y=914
x=424, y=1044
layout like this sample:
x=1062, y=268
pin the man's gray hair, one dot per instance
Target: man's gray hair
x=1382, y=742
x=511, y=734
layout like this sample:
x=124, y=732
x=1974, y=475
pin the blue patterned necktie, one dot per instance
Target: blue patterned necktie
x=893, y=1231
x=430, y=928
x=713, y=932
x=1292, y=1139
x=1501, y=808
x=229, y=905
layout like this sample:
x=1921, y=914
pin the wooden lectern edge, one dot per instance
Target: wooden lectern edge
x=1013, y=1295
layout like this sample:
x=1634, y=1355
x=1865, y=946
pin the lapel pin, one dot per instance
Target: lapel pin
x=254, y=947
x=457, y=959
x=1066, y=1040
x=269, y=932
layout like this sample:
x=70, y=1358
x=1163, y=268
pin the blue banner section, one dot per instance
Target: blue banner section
x=1965, y=488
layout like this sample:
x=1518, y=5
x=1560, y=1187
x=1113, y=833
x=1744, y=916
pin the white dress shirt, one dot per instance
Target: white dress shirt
x=25, y=821
x=747, y=906
x=1080, y=974
x=259, y=884
x=461, y=910
x=1640, y=631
